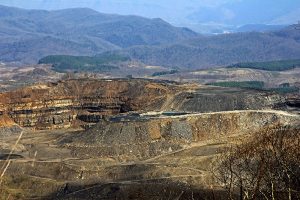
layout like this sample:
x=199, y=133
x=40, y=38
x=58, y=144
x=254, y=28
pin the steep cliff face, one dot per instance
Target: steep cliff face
x=74, y=102
x=57, y=105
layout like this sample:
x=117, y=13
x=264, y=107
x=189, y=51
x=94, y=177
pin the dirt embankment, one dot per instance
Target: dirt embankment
x=142, y=138
x=8, y=126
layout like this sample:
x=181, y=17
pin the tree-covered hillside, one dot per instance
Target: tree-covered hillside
x=256, y=85
x=29, y=35
x=281, y=65
x=222, y=50
x=101, y=63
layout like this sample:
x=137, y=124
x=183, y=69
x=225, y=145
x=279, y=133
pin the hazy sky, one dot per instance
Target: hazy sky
x=184, y=12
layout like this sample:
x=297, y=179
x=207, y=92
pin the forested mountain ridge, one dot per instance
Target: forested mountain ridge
x=28, y=35
x=224, y=49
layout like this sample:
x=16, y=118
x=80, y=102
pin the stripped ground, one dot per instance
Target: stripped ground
x=189, y=166
x=39, y=166
x=45, y=169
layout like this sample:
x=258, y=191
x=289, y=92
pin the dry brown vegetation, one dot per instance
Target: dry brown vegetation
x=265, y=167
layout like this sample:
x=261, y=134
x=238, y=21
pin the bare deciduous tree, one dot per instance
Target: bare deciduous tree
x=266, y=167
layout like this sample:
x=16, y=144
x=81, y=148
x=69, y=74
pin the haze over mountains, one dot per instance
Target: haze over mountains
x=224, y=49
x=29, y=35
x=201, y=15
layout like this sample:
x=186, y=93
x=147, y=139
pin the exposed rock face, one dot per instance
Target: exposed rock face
x=58, y=105
x=147, y=137
x=65, y=103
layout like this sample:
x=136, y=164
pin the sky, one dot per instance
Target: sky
x=184, y=12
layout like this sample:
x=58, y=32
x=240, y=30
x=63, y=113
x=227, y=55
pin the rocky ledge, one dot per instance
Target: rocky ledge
x=72, y=103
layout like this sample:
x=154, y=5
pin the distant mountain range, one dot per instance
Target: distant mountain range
x=258, y=28
x=204, y=16
x=222, y=50
x=29, y=35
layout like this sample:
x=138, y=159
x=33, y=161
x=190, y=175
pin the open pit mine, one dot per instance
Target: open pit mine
x=128, y=138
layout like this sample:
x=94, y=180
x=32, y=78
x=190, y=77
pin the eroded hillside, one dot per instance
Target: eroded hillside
x=74, y=102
